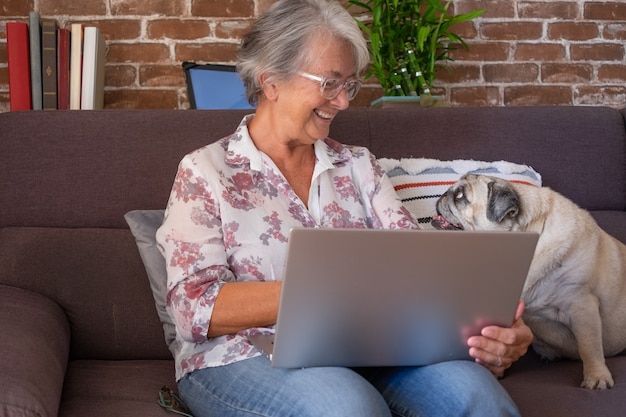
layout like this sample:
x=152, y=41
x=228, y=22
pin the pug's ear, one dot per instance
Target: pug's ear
x=503, y=202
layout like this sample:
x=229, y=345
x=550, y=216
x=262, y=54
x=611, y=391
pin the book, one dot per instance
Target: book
x=49, y=63
x=94, y=51
x=76, y=58
x=34, y=29
x=63, y=69
x=19, y=66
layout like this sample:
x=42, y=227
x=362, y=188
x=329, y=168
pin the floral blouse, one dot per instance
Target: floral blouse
x=228, y=219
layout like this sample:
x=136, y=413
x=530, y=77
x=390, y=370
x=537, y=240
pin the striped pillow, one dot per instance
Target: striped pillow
x=419, y=182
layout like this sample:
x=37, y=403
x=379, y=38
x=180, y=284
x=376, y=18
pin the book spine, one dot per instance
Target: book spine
x=63, y=69
x=99, y=69
x=18, y=66
x=49, y=63
x=92, y=92
x=34, y=29
x=76, y=53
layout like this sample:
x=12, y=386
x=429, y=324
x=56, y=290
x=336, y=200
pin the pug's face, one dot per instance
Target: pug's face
x=478, y=202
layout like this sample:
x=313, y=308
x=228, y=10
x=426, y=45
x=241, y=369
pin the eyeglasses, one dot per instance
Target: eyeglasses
x=330, y=88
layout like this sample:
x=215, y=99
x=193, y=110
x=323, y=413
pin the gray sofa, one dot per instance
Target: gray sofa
x=80, y=332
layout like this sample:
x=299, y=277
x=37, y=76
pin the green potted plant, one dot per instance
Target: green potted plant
x=406, y=39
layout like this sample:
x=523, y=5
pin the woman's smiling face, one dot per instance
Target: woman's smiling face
x=305, y=114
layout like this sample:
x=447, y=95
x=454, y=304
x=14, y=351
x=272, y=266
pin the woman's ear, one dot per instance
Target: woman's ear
x=269, y=87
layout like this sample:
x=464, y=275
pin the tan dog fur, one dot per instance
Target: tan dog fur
x=575, y=292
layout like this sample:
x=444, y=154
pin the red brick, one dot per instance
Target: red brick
x=548, y=10
x=207, y=52
x=614, y=96
x=72, y=8
x=232, y=29
x=605, y=10
x=147, y=8
x=474, y=96
x=539, y=52
x=535, y=95
x=438, y=90
x=161, y=76
x=120, y=29
x=597, y=52
x=120, y=76
x=135, y=52
x=458, y=74
x=566, y=73
x=141, y=99
x=222, y=8
x=511, y=30
x=510, y=73
x=178, y=29
x=493, y=8
x=16, y=7
x=494, y=51
x=615, y=31
x=576, y=31
x=612, y=73
x=107, y=27
x=4, y=74
x=466, y=30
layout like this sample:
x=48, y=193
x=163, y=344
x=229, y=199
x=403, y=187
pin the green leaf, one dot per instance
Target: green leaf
x=397, y=27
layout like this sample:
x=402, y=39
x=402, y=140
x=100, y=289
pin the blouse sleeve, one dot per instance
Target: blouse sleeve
x=192, y=242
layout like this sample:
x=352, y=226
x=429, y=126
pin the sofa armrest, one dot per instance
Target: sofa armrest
x=34, y=350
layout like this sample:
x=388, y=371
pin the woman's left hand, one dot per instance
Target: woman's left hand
x=497, y=348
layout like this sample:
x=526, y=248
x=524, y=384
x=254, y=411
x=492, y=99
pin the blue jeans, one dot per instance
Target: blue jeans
x=252, y=388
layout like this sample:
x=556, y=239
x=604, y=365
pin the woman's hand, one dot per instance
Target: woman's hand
x=497, y=348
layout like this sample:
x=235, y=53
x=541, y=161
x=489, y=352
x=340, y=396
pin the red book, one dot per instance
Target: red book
x=18, y=59
x=63, y=68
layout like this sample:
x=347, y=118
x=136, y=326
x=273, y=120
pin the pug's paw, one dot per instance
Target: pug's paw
x=598, y=380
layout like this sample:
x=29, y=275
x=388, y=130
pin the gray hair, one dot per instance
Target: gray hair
x=277, y=42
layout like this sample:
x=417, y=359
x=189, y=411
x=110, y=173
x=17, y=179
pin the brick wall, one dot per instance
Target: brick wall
x=522, y=52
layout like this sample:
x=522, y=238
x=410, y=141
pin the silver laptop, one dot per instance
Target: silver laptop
x=354, y=297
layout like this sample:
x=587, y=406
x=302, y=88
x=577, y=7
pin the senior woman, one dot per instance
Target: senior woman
x=225, y=237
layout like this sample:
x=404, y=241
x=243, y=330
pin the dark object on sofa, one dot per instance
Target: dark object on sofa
x=81, y=335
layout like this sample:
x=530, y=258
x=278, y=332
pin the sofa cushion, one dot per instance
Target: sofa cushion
x=35, y=348
x=93, y=388
x=143, y=225
x=419, y=182
x=542, y=388
x=97, y=277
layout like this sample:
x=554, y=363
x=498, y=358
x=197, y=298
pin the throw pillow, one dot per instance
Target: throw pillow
x=143, y=225
x=420, y=182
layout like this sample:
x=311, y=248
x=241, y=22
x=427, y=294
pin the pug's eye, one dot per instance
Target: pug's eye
x=459, y=194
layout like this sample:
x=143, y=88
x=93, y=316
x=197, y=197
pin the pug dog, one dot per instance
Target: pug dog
x=575, y=292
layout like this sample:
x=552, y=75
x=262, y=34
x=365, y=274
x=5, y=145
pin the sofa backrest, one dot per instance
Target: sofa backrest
x=579, y=151
x=68, y=177
x=84, y=169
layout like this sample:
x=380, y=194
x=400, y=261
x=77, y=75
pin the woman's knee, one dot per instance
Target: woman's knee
x=247, y=389
x=335, y=392
x=475, y=390
x=458, y=388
